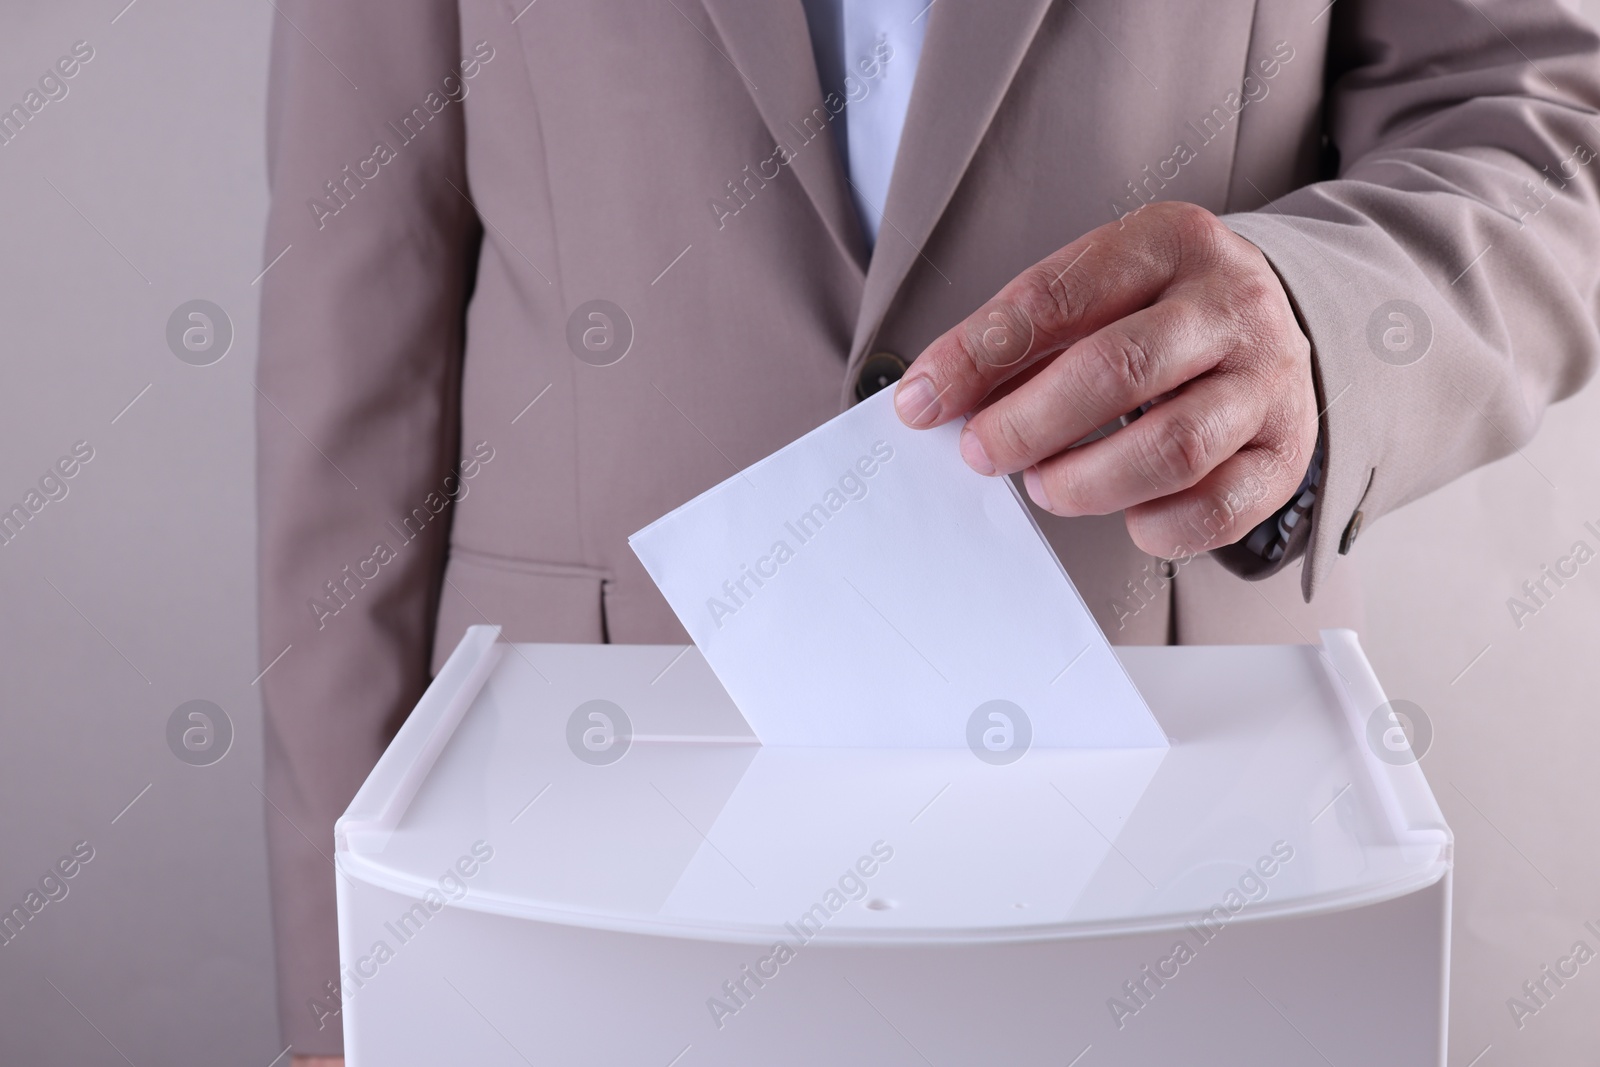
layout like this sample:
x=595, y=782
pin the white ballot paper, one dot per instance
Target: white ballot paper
x=863, y=587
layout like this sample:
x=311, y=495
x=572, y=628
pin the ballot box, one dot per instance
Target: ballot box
x=579, y=855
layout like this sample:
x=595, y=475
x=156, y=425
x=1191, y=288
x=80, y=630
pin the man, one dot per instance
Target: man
x=548, y=271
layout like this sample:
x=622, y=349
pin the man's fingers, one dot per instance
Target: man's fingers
x=1101, y=277
x=1102, y=377
x=1170, y=449
x=1222, y=507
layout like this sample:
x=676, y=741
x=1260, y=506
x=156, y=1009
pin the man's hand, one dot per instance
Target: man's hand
x=1167, y=306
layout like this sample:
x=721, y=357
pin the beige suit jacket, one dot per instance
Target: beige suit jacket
x=454, y=184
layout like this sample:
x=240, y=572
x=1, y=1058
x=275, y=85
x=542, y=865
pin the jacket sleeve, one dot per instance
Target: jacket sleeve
x=1447, y=274
x=368, y=250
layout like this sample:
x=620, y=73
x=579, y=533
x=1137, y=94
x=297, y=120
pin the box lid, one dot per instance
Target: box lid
x=663, y=816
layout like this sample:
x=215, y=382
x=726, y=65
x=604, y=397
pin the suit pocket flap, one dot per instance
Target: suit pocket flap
x=530, y=601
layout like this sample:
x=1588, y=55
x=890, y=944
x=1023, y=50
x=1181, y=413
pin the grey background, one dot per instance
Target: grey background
x=143, y=189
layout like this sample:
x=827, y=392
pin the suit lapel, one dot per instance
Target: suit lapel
x=971, y=52
x=969, y=56
x=770, y=44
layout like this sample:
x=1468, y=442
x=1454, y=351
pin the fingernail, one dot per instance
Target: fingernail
x=916, y=402
x=972, y=451
x=1035, y=487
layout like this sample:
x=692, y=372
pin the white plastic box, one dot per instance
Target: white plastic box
x=513, y=891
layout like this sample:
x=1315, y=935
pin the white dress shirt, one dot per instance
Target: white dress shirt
x=867, y=53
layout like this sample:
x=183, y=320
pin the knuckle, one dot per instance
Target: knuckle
x=1255, y=296
x=1246, y=302
x=1180, y=450
x=1294, y=351
x=1260, y=288
x=1231, y=323
x=1261, y=329
x=1112, y=373
x=1131, y=363
x=1282, y=460
x=1201, y=238
x=1009, y=437
x=998, y=336
x=1286, y=453
x=966, y=353
x=1050, y=294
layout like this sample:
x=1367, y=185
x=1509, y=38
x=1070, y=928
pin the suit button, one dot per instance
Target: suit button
x=1351, y=532
x=879, y=371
